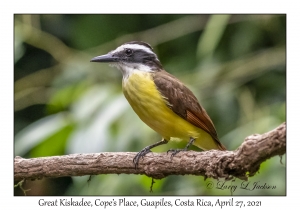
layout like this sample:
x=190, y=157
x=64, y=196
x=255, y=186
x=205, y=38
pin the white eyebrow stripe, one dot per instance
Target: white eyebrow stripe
x=133, y=46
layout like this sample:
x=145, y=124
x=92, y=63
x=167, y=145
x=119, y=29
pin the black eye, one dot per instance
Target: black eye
x=128, y=52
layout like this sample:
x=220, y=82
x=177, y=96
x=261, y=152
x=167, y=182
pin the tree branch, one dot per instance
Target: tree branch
x=243, y=162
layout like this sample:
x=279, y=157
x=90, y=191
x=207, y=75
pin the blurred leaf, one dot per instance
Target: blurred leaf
x=64, y=97
x=53, y=145
x=38, y=131
x=212, y=34
x=95, y=131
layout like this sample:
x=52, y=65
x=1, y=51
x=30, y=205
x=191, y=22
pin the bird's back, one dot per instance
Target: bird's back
x=153, y=109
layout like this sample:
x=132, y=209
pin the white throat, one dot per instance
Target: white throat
x=128, y=68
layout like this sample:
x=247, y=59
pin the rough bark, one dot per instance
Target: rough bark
x=242, y=163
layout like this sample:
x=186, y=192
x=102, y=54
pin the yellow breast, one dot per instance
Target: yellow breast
x=140, y=91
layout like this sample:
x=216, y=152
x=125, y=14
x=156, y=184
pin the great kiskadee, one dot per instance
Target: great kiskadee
x=160, y=100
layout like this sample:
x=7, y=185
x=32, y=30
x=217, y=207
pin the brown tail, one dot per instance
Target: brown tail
x=221, y=146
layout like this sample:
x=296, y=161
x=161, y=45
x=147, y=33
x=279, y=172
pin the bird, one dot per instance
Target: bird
x=161, y=100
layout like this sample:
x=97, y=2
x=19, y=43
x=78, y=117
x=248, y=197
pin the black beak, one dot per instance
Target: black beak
x=105, y=58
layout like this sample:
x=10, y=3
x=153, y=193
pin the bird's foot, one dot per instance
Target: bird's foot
x=139, y=155
x=175, y=151
x=146, y=150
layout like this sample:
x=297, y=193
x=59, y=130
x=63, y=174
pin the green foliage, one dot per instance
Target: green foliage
x=53, y=145
x=235, y=65
x=61, y=99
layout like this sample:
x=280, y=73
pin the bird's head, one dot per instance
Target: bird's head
x=132, y=56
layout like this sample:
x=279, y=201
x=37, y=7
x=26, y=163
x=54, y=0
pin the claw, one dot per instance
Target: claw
x=174, y=152
x=139, y=155
x=145, y=151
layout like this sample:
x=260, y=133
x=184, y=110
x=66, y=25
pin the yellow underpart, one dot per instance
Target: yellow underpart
x=141, y=93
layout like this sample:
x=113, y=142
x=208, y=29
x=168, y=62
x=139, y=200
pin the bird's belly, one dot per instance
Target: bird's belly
x=150, y=106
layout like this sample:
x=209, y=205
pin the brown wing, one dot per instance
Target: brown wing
x=183, y=102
